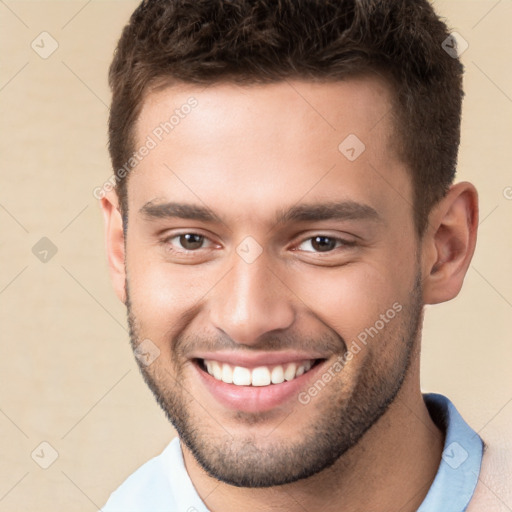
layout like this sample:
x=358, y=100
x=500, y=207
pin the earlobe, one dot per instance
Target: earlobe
x=449, y=243
x=114, y=242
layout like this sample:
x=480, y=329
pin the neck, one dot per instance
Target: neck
x=391, y=468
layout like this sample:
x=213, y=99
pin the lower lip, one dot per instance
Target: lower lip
x=256, y=398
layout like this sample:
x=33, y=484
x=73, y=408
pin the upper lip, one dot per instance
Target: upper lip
x=259, y=359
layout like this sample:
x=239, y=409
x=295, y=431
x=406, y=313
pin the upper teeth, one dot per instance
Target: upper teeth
x=260, y=376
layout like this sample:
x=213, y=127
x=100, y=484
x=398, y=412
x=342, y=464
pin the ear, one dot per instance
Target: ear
x=114, y=242
x=449, y=243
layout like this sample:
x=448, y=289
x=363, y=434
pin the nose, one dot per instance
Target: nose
x=250, y=301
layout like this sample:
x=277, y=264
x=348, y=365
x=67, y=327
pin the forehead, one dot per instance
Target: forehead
x=292, y=107
x=257, y=147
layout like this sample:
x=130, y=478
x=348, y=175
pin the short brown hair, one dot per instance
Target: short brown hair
x=264, y=41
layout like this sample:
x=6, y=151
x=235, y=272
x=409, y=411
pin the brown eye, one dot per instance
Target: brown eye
x=191, y=241
x=323, y=243
x=188, y=247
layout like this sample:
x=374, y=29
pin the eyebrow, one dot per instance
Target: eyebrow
x=152, y=210
x=346, y=210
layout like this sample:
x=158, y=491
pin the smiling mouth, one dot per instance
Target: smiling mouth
x=259, y=376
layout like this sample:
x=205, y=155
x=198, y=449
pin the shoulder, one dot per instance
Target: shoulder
x=149, y=487
x=492, y=488
x=493, y=492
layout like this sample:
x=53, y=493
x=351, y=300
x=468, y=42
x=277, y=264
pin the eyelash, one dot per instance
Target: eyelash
x=187, y=252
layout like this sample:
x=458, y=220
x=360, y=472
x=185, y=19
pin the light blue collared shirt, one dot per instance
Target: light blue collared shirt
x=457, y=476
x=163, y=485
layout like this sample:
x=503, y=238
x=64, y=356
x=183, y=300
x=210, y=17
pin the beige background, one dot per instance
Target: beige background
x=67, y=373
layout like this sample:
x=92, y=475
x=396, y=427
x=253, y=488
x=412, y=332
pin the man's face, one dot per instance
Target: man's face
x=257, y=246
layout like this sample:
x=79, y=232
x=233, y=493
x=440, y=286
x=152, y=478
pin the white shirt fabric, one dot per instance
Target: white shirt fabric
x=160, y=485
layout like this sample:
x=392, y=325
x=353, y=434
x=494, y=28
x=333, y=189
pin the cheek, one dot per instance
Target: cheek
x=350, y=299
x=161, y=293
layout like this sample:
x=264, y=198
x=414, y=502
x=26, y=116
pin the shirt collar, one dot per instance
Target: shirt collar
x=458, y=472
